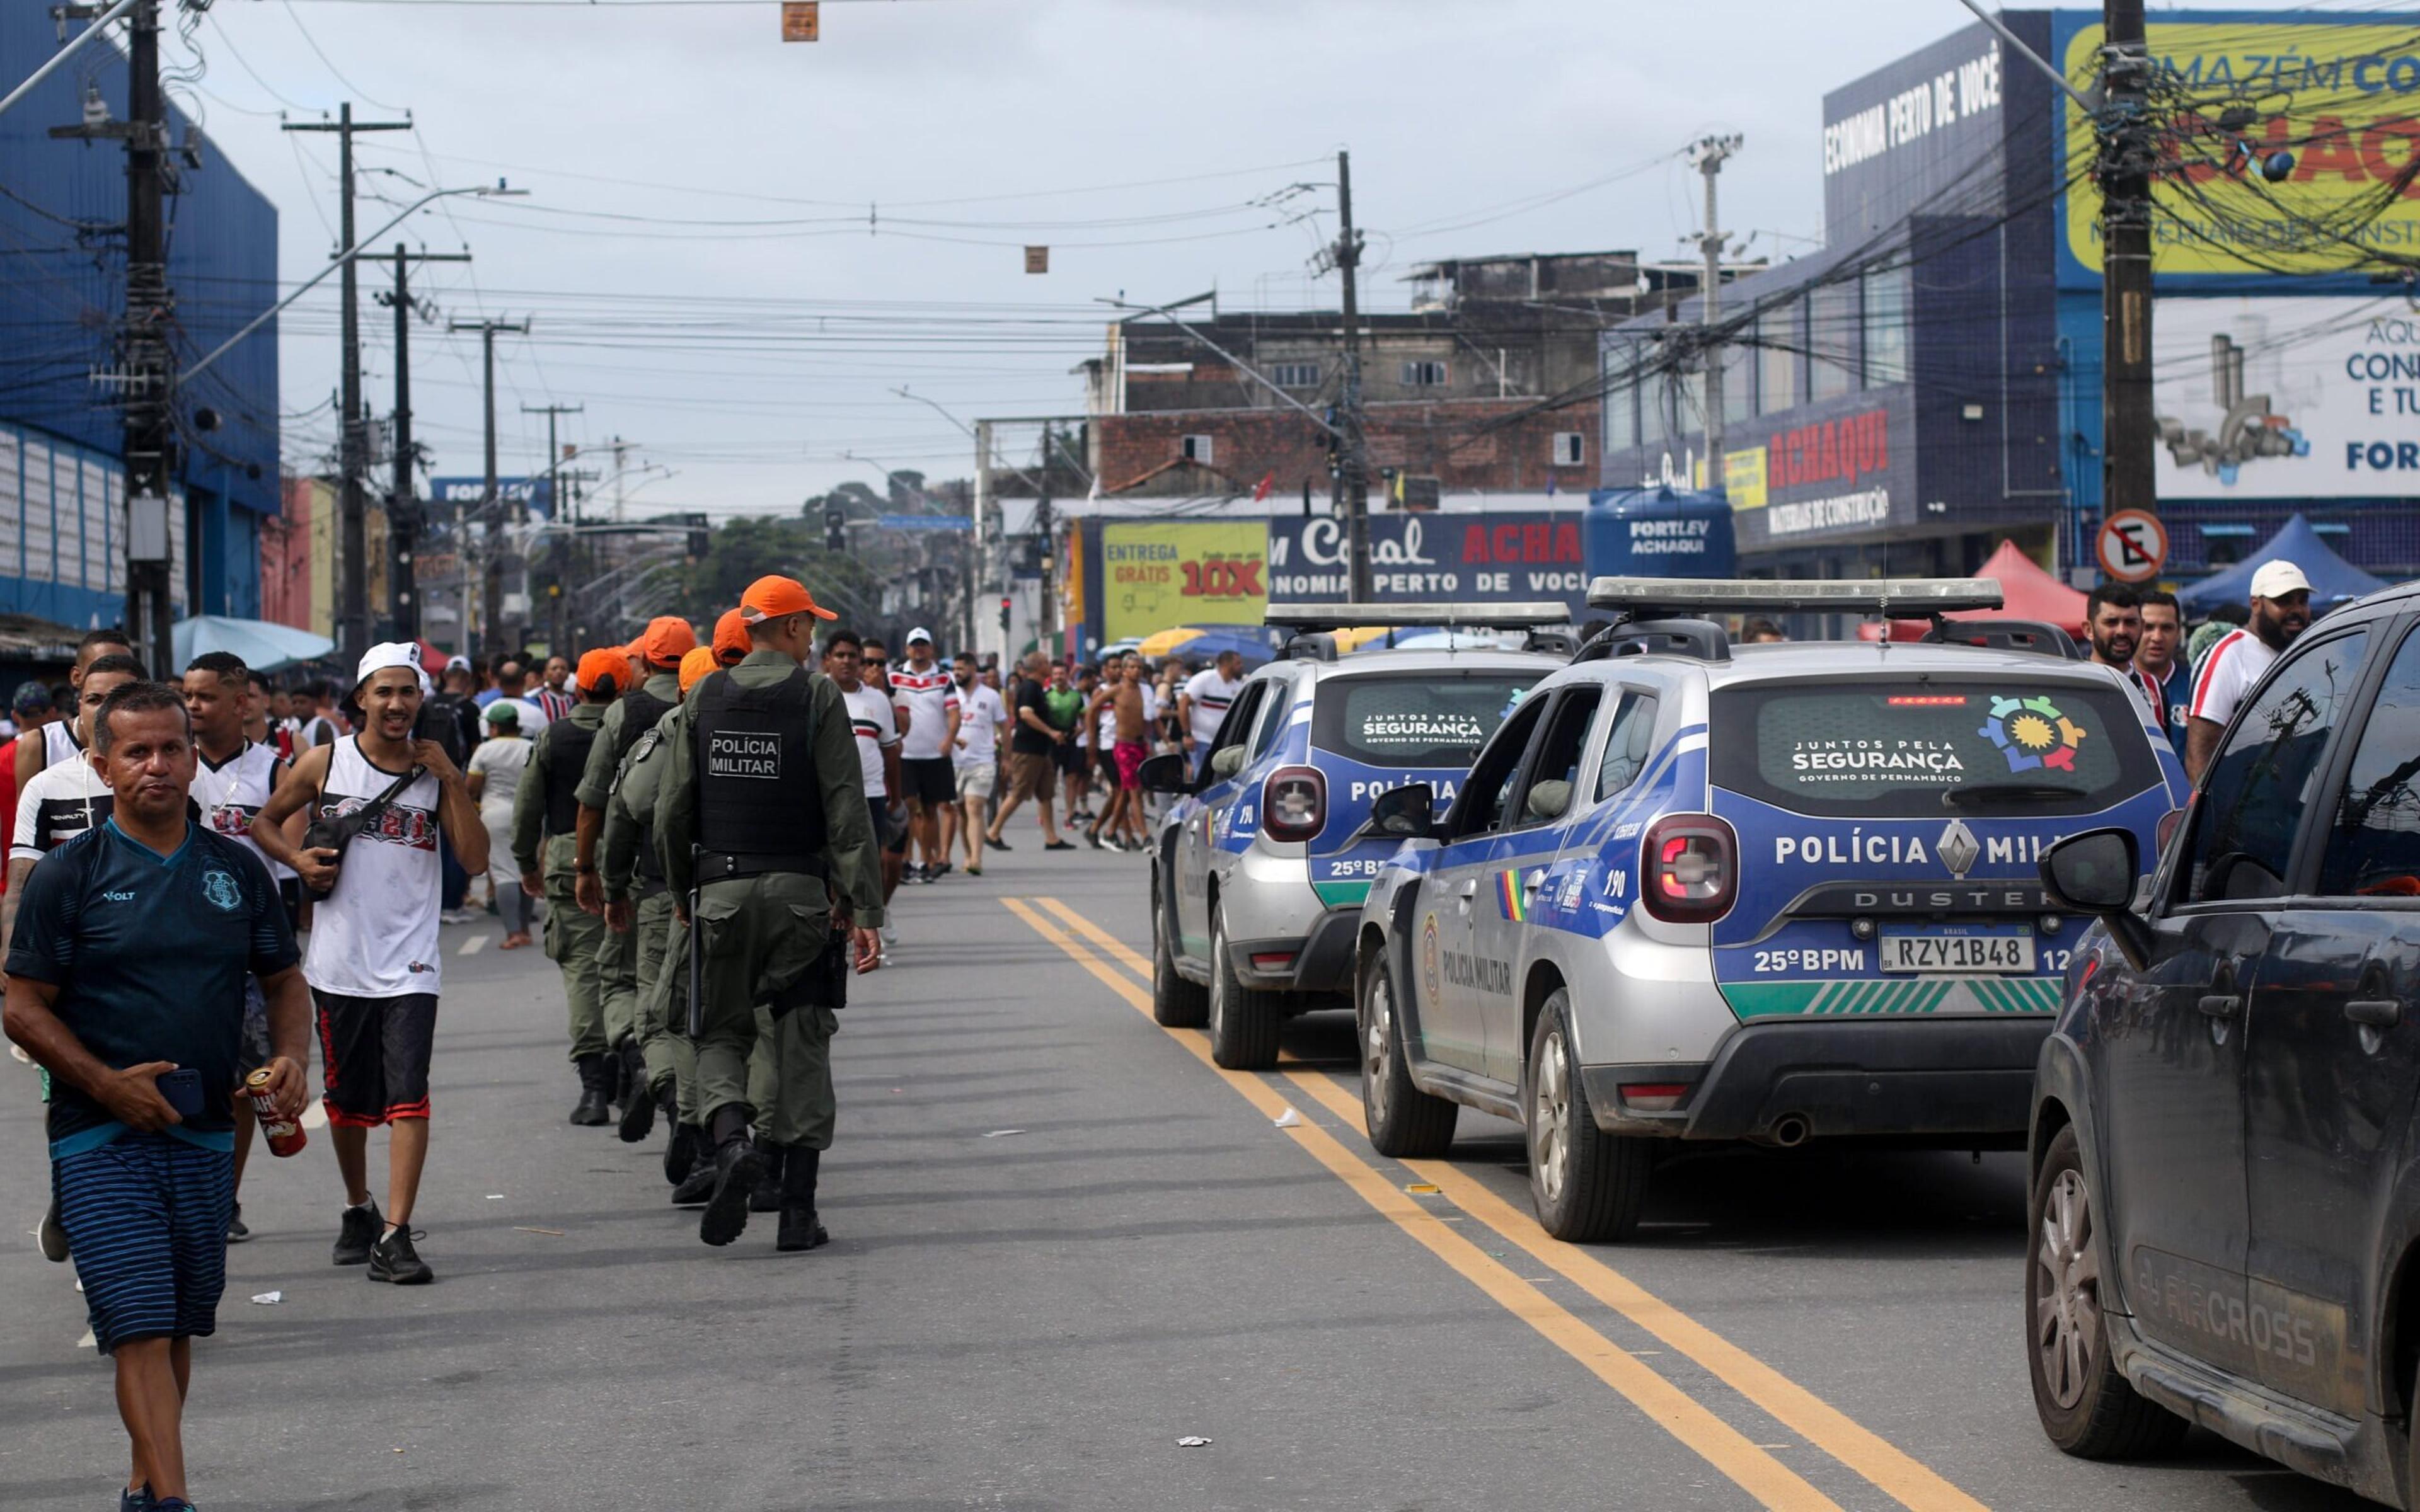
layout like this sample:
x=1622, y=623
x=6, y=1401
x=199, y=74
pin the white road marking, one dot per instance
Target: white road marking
x=472, y=946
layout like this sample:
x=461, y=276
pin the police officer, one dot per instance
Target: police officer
x=656, y=656
x=639, y=905
x=764, y=783
x=546, y=815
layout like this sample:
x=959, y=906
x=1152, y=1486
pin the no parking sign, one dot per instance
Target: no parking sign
x=2133, y=545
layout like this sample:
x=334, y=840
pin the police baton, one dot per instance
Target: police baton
x=696, y=951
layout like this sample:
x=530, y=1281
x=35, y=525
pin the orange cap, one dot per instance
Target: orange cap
x=773, y=596
x=595, y=666
x=695, y=663
x=731, y=634
x=666, y=639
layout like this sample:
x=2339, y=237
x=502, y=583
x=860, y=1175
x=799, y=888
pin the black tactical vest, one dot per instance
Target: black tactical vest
x=757, y=792
x=641, y=709
x=567, y=761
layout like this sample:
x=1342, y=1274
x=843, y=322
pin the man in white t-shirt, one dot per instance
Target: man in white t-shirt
x=1203, y=702
x=66, y=797
x=974, y=749
x=927, y=702
x=2281, y=609
x=875, y=723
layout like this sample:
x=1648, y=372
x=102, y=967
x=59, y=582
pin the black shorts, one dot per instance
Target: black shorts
x=890, y=834
x=1070, y=758
x=376, y=1052
x=931, y=781
x=1107, y=767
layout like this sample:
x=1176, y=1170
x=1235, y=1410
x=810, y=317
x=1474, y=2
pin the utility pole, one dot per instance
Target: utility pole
x=353, y=593
x=488, y=330
x=403, y=507
x=1709, y=154
x=2123, y=170
x=1354, y=478
x=559, y=632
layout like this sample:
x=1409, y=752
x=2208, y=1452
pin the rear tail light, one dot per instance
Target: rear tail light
x=1293, y=803
x=1691, y=861
x=1272, y=960
x=1653, y=1097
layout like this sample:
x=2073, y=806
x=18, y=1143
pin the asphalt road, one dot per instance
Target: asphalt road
x=1063, y=1242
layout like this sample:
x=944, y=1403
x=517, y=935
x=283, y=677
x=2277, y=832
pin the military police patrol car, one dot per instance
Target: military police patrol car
x=1260, y=866
x=1770, y=893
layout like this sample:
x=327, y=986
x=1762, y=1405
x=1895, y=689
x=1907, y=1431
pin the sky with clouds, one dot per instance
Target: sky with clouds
x=734, y=249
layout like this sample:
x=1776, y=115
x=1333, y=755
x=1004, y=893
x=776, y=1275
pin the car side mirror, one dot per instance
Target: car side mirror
x=1227, y=762
x=1549, y=798
x=1407, y=812
x=1169, y=773
x=2094, y=873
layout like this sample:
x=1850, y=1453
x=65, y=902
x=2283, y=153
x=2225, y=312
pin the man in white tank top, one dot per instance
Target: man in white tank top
x=59, y=743
x=373, y=959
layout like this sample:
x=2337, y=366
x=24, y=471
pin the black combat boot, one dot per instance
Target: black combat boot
x=738, y=1168
x=800, y=1229
x=696, y=1187
x=767, y=1197
x=639, y=1103
x=592, y=1109
x=683, y=1150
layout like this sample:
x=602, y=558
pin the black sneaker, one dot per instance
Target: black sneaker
x=359, y=1234
x=1059, y=845
x=236, y=1231
x=996, y=844
x=393, y=1258
x=942, y=871
x=136, y=1499
x=1093, y=838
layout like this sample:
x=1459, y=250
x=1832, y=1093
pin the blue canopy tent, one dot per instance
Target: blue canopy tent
x=1205, y=648
x=264, y=647
x=2333, y=578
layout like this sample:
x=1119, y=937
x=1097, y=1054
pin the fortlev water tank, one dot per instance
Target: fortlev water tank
x=1656, y=533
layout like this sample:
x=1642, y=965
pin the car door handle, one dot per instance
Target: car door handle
x=1534, y=880
x=2219, y=1004
x=2378, y=1013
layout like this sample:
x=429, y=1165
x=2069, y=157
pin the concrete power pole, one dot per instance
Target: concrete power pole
x=2129, y=431
x=560, y=631
x=488, y=330
x=403, y=507
x=353, y=589
x=1354, y=475
x=1709, y=155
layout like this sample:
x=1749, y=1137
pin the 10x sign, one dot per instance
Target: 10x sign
x=1221, y=577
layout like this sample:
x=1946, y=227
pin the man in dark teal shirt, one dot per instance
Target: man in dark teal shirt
x=125, y=981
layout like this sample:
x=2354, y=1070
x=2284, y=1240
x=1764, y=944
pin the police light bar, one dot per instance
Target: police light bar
x=1907, y=598
x=1407, y=616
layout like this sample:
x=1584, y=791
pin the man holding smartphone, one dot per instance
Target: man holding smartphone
x=126, y=982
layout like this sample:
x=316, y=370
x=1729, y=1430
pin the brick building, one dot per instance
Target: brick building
x=1452, y=389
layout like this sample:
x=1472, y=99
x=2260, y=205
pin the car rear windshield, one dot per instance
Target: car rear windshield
x=1431, y=718
x=1913, y=747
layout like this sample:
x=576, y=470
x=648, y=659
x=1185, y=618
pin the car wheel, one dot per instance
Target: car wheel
x=1243, y=1022
x=1587, y=1184
x=1175, y=1003
x=2086, y=1406
x=1404, y=1121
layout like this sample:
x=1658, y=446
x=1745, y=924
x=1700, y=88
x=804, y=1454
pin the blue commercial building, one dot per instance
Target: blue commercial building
x=1929, y=382
x=62, y=291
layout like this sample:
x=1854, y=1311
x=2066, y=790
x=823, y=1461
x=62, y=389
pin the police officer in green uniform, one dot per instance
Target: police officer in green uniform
x=638, y=903
x=546, y=815
x=764, y=783
x=657, y=652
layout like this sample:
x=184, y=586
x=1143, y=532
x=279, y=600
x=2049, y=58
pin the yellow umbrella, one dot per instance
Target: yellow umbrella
x=1355, y=637
x=1166, y=641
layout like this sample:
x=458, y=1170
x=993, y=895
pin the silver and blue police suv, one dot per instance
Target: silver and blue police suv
x=1259, y=865
x=1768, y=893
x=2225, y=1203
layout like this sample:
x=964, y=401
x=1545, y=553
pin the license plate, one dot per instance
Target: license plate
x=1957, y=954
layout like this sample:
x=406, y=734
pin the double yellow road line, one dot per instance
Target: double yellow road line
x=1752, y=1467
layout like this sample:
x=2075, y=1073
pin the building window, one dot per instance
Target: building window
x=1739, y=383
x=1886, y=320
x=1833, y=339
x=1294, y=374
x=1656, y=432
x=1424, y=375
x=1571, y=448
x=1195, y=449
x=1776, y=359
x=1620, y=415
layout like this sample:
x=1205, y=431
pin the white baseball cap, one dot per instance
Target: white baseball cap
x=920, y=633
x=2275, y=579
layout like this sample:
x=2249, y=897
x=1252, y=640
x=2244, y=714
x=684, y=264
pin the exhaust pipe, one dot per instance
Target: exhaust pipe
x=1789, y=1131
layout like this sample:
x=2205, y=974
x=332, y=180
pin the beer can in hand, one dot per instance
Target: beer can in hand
x=285, y=1135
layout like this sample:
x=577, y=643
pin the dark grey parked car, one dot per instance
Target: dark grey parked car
x=2226, y=1196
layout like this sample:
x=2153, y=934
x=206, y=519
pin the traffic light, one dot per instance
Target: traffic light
x=835, y=528
x=1004, y=602
x=700, y=538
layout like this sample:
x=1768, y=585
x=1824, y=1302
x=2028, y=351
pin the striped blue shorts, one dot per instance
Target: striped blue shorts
x=146, y=1215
